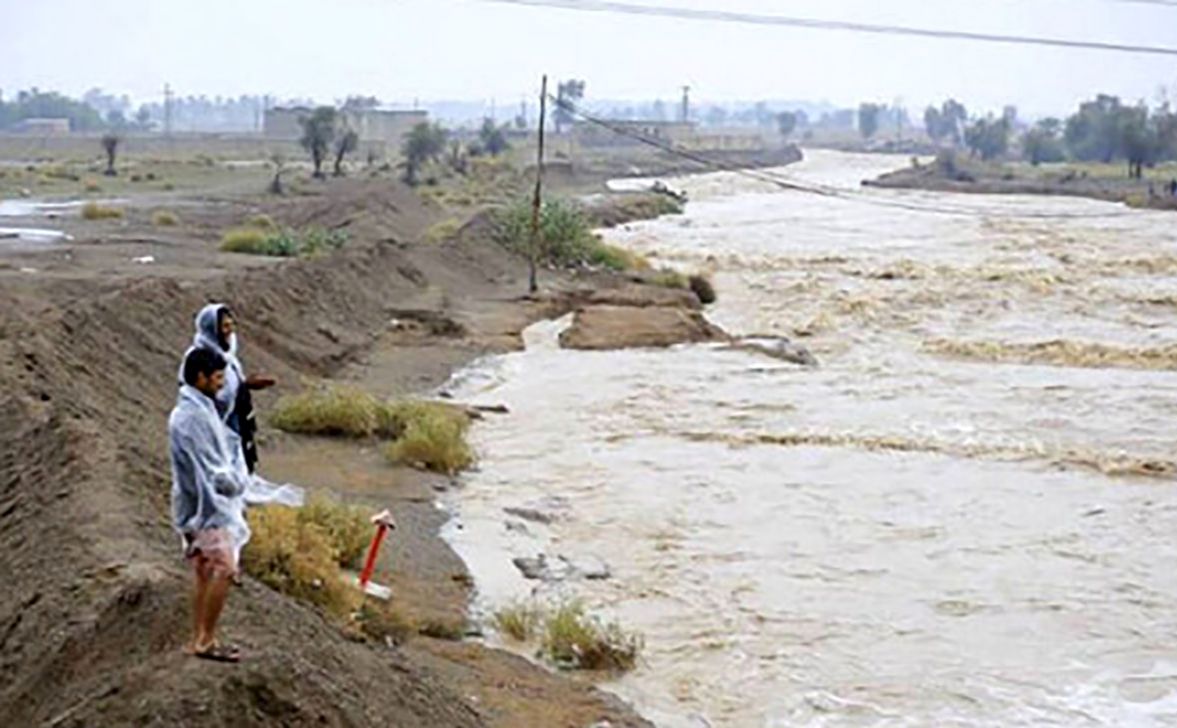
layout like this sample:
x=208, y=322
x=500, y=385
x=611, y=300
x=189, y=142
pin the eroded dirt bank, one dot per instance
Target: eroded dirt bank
x=95, y=605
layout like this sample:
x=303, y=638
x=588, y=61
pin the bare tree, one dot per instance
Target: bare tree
x=424, y=143
x=279, y=162
x=344, y=145
x=318, y=131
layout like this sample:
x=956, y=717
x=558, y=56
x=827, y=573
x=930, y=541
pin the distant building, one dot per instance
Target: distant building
x=387, y=128
x=594, y=135
x=42, y=126
x=678, y=134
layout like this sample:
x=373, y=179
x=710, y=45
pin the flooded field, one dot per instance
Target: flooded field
x=965, y=516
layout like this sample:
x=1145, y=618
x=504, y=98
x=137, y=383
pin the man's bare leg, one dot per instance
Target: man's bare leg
x=216, y=594
x=199, y=600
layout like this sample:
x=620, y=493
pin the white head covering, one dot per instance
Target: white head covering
x=208, y=336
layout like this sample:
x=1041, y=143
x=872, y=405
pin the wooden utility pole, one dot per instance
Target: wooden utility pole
x=533, y=284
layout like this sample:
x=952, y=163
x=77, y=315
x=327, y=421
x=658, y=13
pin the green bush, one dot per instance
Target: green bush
x=165, y=218
x=292, y=554
x=519, y=620
x=333, y=410
x=573, y=639
x=94, y=211
x=257, y=242
x=315, y=241
x=431, y=435
x=349, y=528
x=284, y=243
x=566, y=238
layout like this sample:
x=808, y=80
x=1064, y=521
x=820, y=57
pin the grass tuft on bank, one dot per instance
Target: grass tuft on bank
x=165, y=218
x=570, y=637
x=428, y=435
x=336, y=410
x=431, y=436
x=574, y=639
x=519, y=620
x=94, y=211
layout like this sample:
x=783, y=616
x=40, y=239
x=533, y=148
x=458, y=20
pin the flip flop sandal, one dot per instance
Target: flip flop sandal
x=219, y=653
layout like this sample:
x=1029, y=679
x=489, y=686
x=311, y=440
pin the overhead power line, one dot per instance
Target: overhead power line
x=728, y=16
x=1166, y=3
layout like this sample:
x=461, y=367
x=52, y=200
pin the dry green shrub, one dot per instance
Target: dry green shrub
x=243, y=240
x=348, y=527
x=94, y=211
x=565, y=233
x=431, y=435
x=573, y=639
x=519, y=620
x=282, y=243
x=384, y=621
x=334, y=410
x=295, y=556
x=165, y=218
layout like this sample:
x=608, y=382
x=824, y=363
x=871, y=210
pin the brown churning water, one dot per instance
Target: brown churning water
x=966, y=516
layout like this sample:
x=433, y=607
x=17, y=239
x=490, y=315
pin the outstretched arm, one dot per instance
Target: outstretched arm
x=256, y=382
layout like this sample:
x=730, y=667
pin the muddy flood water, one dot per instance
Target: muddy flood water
x=966, y=516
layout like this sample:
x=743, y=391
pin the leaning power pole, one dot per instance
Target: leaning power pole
x=532, y=283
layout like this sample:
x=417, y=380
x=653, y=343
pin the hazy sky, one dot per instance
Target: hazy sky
x=399, y=50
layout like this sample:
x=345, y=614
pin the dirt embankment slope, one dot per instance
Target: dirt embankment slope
x=95, y=605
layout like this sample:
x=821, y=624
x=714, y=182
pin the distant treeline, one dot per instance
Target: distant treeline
x=1104, y=129
x=97, y=110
